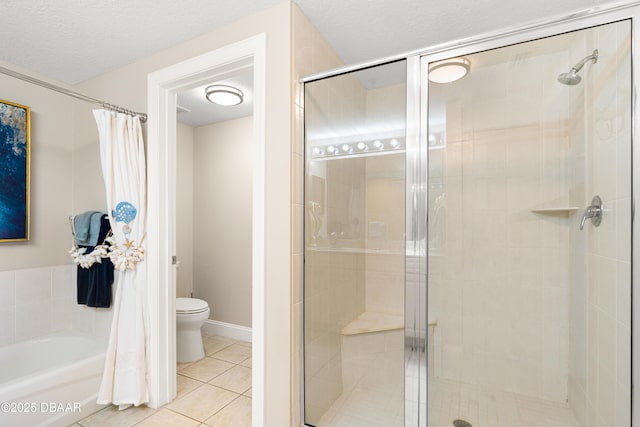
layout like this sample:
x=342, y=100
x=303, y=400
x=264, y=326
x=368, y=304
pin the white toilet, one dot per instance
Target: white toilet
x=190, y=315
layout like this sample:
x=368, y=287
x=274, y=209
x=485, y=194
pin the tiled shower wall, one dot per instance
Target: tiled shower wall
x=334, y=295
x=42, y=301
x=600, y=365
x=334, y=281
x=340, y=284
x=354, y=271
x=385, y=201
x=499, y=276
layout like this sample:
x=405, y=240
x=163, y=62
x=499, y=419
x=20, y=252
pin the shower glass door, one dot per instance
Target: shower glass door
x=529, y=300
x=354, y=248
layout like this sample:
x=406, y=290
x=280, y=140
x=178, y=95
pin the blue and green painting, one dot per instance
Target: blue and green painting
x=14, y=169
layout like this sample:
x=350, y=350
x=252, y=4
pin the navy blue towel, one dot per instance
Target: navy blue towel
x=94, y=283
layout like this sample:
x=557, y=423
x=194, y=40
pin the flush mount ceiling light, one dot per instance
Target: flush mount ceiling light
x=449, y=70
x=224, y=95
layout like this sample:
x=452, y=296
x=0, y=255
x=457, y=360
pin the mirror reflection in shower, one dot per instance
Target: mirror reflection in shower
x=354, y=247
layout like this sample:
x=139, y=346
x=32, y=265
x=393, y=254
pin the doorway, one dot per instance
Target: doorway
x=213, y=202
x=163, y=88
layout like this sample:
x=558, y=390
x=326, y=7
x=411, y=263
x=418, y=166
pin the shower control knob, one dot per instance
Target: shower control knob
x=593, y=212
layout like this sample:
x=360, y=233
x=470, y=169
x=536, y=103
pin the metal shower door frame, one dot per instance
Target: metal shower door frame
x=415, y=312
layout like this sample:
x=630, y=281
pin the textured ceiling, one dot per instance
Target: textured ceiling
x=361, y=30
x=76, y=40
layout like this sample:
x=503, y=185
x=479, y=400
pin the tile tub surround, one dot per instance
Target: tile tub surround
x=225, y=372
x=39, y=303
x=214, y=391
x=36, y=302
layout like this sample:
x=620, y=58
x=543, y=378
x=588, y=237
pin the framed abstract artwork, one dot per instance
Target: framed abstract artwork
x=15, y=145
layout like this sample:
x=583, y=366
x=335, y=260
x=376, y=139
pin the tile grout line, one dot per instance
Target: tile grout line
x=220, y=410
x=200, y=384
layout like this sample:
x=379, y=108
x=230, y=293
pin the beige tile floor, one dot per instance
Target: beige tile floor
x=214, y=391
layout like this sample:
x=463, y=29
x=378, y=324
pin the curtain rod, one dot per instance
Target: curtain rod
x=106, y=105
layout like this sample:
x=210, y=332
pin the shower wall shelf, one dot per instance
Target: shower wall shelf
x=556, y=211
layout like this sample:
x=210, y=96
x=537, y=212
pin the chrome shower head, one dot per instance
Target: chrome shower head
x=572, y=78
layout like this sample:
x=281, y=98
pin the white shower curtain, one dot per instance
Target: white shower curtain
x=124, y=380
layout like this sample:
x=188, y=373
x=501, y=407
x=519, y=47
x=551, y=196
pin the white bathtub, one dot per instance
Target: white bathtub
x=50, y=381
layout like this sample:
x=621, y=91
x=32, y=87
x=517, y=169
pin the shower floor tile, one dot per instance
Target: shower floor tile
x=483, y=407
x=448, y=401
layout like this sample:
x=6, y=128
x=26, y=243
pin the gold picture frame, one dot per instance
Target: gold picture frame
x=15, y=156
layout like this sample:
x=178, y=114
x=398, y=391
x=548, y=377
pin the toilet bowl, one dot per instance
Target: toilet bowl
x=190, y=315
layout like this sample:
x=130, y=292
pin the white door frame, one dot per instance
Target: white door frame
x=163, y=86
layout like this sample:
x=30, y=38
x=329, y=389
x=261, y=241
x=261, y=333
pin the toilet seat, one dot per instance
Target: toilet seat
x=191, y=305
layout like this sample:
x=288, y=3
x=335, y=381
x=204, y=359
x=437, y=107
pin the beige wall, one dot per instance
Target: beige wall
x=127, y=86
x=37, y=278
x=52, y=201
x=184, y=209
x=222, y=209
x=213, y=217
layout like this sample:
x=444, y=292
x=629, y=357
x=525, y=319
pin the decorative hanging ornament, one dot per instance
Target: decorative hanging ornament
x=124, y=212
x=126, y=257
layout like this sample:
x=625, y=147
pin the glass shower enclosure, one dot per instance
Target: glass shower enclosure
x=530, y=286
x=468, y=242
x=355, y=247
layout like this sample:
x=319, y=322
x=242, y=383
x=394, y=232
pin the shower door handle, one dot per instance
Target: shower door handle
x=593, y=212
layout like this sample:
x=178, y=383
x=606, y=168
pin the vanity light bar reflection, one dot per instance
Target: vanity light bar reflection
x=358, y=149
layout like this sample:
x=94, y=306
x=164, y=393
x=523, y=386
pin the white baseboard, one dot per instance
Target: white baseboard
x=237, y=332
